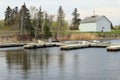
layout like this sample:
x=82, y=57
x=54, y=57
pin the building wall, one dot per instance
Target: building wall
x=87, y=27
x=103, y=25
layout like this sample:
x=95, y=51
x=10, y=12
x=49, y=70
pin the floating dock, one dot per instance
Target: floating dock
x=113, y=48
x=63, y=46
x=29, y=46
x=41, y=45
x=6, y=45
x=73, y=46
x=100, y=45
x=88, y=45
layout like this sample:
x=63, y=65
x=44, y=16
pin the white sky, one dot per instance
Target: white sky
x=109, y=8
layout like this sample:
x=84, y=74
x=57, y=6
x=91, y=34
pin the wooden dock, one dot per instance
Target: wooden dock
x=73, y=46
x=63, y=46
x=29, y=46
x=85, y=45
x=41, y=45
x=113, y=48
x=100, y=45
x=6, y=45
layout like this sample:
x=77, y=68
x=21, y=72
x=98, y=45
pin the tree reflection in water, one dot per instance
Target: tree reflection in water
x=54, y=64
x=35, y=61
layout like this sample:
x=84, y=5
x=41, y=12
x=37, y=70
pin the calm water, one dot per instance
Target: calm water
x=54, y=64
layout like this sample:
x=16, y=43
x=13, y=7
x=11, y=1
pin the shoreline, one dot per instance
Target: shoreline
x=71, y=37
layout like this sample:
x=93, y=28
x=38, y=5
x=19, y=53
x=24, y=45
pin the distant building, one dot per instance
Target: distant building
x=95, y=24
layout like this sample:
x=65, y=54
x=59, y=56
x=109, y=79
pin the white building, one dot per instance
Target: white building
x=95, y=24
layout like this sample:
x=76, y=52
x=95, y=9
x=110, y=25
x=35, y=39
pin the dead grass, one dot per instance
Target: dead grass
x=81, y=36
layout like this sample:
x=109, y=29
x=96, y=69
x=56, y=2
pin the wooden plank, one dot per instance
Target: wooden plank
x=113, y=48
x=74, y=46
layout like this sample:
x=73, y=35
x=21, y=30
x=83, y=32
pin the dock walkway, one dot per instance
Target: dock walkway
x=74, y=46
x=63, y=46
x=6, y=45
x=113, y=48
x=84, y=45
x=41, y=45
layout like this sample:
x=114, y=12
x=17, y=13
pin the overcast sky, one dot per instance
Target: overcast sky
x=109, y=8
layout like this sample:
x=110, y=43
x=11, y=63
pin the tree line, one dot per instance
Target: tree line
x=41, y=23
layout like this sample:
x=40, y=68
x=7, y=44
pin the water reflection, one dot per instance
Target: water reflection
x=36, y=61
x=53, y=64
x=18, y=58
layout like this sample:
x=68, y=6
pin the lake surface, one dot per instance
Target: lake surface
x=54, y=64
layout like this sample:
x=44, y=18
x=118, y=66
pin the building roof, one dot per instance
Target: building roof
x=91, y=19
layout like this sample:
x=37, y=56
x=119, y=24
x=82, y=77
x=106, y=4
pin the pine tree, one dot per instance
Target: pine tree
x=47, y=32
x=8, y=16
x=60, y=22
x=40, y=21
x=24, y=21
x=15, y=16
x=75, y=20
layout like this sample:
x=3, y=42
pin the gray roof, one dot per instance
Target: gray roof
x=91, y=19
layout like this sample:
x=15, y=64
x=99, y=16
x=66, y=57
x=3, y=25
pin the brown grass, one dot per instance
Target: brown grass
x=81, y=36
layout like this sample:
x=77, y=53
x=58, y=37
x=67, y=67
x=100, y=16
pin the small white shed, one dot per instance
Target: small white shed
x=95, y=24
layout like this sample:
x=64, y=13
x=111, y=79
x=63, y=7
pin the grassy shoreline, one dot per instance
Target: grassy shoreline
x=77, y=35
x=10, y=33
x=71, y=35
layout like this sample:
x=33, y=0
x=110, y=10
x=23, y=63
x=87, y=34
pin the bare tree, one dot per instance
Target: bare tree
x=33, y=12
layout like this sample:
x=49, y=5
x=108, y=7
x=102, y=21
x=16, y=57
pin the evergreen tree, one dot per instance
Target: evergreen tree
x=40, y=21
x=60, y=22
x=8, y=16
x=15, y=16
x=76, y=20
x=24, y=21
x=47, y=32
